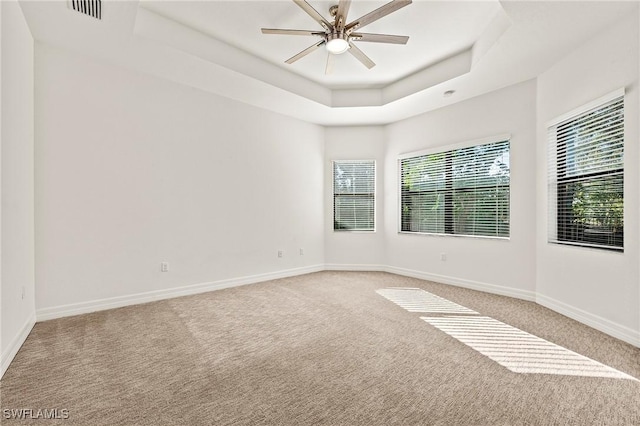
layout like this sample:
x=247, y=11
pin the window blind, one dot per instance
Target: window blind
x=354, y=195
x=463, y=191
x=586, y=177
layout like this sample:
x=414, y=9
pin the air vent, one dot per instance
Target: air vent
x=91, y=8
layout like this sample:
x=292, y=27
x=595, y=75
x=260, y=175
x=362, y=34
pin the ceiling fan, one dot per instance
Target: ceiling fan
x=338, y=36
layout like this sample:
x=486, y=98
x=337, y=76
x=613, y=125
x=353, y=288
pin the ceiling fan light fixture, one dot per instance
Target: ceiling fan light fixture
x=337, y=36
x=337, y=45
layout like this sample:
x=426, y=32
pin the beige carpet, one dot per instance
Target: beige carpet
x=323, y=348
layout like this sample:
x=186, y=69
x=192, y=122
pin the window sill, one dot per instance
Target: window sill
x=356, y=231
x=588, y=246
x=474, y=237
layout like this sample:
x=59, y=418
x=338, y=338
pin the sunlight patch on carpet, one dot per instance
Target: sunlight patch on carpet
x=418, y=300
x=520, y=351
x=514, y=349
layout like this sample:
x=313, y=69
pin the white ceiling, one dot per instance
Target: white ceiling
x=436, y=30
x=472, y=47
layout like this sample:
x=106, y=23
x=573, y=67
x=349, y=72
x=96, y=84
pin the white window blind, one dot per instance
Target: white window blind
x=586, y=177
x=354, y=195
x=462, y=191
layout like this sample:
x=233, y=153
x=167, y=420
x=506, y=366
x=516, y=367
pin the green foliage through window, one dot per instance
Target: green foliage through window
x=586, y=180
x=463, y=191
x=354, y=195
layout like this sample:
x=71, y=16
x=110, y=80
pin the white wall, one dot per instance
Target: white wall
x=599, y=287
x=16, y=141
x=506, y=267
x=354, y=250
x=133, y=170
x=2, y=350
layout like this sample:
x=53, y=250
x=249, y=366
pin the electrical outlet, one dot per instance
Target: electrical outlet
x=280, y=253
x=443, y=256
x=301, y=252
x=164, y=267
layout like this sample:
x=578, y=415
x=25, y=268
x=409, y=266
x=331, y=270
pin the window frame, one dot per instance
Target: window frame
x=555, y=178
x=440, y=150
x=334, y=194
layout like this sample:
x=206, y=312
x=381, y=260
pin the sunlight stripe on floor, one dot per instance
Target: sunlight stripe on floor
x=418, y=300
x=515, y=349
x=518, y=350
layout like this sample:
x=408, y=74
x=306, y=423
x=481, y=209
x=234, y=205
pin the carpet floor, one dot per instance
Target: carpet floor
x=334, y=348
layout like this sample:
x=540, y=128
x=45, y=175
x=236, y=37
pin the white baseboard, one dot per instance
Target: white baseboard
x=15, y=345
x=459, y=282
x=606, y=326
x=354, y=267
x=151, y=296
x=611, y=328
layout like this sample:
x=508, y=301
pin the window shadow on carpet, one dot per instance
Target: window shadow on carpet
x=512, y=348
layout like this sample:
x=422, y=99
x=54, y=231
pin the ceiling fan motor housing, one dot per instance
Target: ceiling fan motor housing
x=339, y=35
x=337, y=42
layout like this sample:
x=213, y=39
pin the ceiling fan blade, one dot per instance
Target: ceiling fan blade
x=313, y=13
x=305, y=52
x=380, y=38
x=341, y=16
x=366, y=61
x=291, y=32
x=329, y=68
x=380, y=12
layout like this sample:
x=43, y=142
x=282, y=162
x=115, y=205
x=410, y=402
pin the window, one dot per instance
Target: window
x=586, y=175
x=462, y=191
x=354, y=186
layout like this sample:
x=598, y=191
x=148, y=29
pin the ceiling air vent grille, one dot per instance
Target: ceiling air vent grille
x=92, y=8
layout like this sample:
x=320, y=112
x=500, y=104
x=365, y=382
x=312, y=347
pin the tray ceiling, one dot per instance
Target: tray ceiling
x=468, y=47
